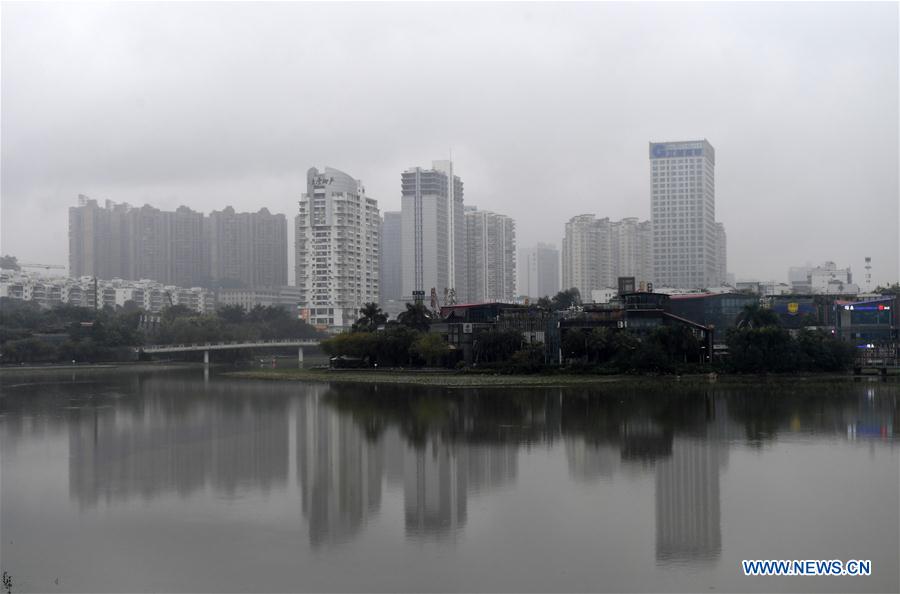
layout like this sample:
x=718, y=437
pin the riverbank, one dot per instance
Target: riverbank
x=478, y=380
x=69, y=368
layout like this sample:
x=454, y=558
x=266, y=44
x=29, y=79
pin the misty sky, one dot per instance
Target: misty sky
x=547, y=108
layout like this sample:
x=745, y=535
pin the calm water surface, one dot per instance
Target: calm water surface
x=167, y=481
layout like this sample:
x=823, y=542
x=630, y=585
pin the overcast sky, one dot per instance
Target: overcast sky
x=548, y=110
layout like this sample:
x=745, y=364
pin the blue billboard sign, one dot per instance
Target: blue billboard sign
x=665, y=151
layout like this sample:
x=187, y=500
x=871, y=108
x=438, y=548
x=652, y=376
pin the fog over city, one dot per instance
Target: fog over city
x=547, y=111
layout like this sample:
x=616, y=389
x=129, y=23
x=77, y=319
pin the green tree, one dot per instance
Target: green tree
x=416, y=316
x=566, y=299
x=432, y=348
x=231, y=314
x=761, y=350
x=9, y=263
x=497, y=345
x=370, y=318
x=755, y=316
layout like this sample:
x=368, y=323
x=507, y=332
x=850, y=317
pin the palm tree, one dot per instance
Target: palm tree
x=754, y=316
x=370, y=317
x=416, y=316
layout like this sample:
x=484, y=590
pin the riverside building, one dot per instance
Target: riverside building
x=433, y=232
x=337, y=243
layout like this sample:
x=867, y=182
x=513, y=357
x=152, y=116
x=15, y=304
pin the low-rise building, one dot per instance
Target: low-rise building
x=148, y=295
x=286, y=297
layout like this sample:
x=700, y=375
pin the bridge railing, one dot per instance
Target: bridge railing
x=151, y=347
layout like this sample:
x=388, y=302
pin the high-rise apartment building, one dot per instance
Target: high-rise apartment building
x=433, y=231
x=722, y=255
x=598, y=251
x=390, y=280
x=337, y=258
x=98, y=239
x=183, y=248
x=683, y=213
x=247, y=249
x=490, y=256
x=632, y=249
x=538, y=271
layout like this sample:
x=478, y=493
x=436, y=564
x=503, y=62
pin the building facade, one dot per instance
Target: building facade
x=247, y=249
x=598, y=251
x=490, y=256
x=181, y=248
x=538, y=274
x=390, y=280
x=433, y=231
x=683, y=211
x=722, y=255
x=337, y=243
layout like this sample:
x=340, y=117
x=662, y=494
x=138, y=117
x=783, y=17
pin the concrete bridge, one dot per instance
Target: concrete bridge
x=206, y=347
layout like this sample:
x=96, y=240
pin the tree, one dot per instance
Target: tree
x=893, y=289
x=431, y=347
x=496, y=345
x=370, y=318
x=9, y=263
x=754, y=316
x=232, y=314
x=566, y=299
x=416, y=316
x=760, y=350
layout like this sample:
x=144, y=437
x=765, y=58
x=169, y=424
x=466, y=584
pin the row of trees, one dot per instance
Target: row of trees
x=30, y=334
x=757, y=344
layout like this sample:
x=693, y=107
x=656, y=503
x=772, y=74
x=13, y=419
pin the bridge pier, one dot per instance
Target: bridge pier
x=206, y=358
x=300, y=357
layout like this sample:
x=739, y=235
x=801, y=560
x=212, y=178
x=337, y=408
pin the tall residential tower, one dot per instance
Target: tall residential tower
x=337, y=248
x=433, y=231
x=490, y=256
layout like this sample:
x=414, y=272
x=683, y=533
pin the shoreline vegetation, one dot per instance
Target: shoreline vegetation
x=469, y=379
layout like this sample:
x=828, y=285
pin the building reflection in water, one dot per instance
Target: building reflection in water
x=339, y=469
x=176, y=439
x=167, y=435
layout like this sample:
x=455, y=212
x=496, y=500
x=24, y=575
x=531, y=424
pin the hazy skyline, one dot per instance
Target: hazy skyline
x=548, y=111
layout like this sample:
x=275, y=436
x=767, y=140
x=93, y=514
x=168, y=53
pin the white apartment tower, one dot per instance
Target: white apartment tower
x=683, y=213
x=433, y=231
x=337, y=244
x=490, y=256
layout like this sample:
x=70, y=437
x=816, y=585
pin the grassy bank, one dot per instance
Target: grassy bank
x=475, y=380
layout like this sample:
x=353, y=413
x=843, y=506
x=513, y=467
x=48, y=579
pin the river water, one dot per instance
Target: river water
x=171, y=481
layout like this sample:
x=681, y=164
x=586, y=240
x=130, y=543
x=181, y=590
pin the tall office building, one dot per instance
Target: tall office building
x=249, y=248
x=538, y=271
x=683, y=212
x=391, y=277
x=598, y=251
x=433, y=231
x=490, y=256
x=337, y=248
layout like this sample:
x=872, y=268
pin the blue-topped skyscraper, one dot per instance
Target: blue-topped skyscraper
x=683, y=213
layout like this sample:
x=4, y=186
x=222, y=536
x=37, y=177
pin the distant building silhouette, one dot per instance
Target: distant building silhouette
x=490, y=257
x=538, y=271
x=182, y=248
